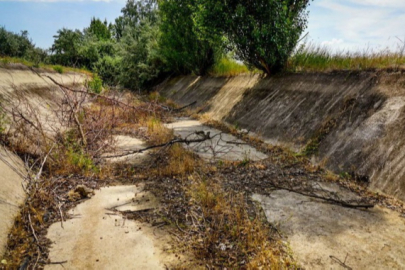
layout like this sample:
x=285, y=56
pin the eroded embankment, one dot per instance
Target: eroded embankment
x=27, y=90
x=352, y=122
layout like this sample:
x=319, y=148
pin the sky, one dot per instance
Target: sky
x=354, y=25
x=357, y=25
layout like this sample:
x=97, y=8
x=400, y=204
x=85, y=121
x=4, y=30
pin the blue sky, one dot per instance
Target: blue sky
x=340, y=24
x=42, y=19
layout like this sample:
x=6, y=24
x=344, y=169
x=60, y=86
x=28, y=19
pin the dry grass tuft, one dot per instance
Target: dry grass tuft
x=178, y=162
x=157, y=133
x=229, y=233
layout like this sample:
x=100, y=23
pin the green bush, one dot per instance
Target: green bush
x=58, y=69
x=108, y=68
x=96, y=84
x=79, y=161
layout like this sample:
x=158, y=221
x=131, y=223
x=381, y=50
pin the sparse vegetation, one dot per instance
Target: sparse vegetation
x=6, y=61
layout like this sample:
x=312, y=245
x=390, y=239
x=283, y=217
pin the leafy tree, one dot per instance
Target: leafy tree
x=141, y=62
x=264, y=32
x=16, y=45
x=99, y=29
x=66, y=47
x=83, y=49
x=133, y=14
x=183, y=46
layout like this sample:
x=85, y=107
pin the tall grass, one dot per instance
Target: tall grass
x=310, y=57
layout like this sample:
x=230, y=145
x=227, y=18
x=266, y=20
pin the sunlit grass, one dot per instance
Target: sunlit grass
x=313, y=58
x=228, y=67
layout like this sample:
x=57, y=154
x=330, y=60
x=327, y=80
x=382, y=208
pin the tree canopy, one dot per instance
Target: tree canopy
x=263, y=32
x=153, y=38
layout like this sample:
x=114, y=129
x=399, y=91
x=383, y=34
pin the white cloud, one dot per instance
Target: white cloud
x=381, y=3
x=357, y=25
x=332, y=42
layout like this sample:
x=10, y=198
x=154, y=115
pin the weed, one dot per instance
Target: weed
x=58, y=69
x=156, y=131
x=95, y=84
x=246, y=160
x=345, y=175
x=78, y=162
x=3, y=122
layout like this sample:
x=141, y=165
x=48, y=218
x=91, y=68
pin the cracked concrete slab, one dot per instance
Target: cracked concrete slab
x=97, y=238
x=11, y=192
x=126, y=144
x=323, y=236
x=222, y=146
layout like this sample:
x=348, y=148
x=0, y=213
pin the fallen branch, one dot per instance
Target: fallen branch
x=170, y=143
x=62, y=262
x=343, y=264
x=237, y=143
x=32, y=228
x=335, y=201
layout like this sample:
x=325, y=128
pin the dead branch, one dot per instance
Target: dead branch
x=185, y=107
x=343, y=264
x=62, y=262
x=32, y=228
x=328, y=199
x=112, y=100
x=169, y=143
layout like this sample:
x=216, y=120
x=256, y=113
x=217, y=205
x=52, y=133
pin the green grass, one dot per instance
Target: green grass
x=95, y=84
x=6, y=60
x=313, y=58
x=58, y=69
x=228, y=67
